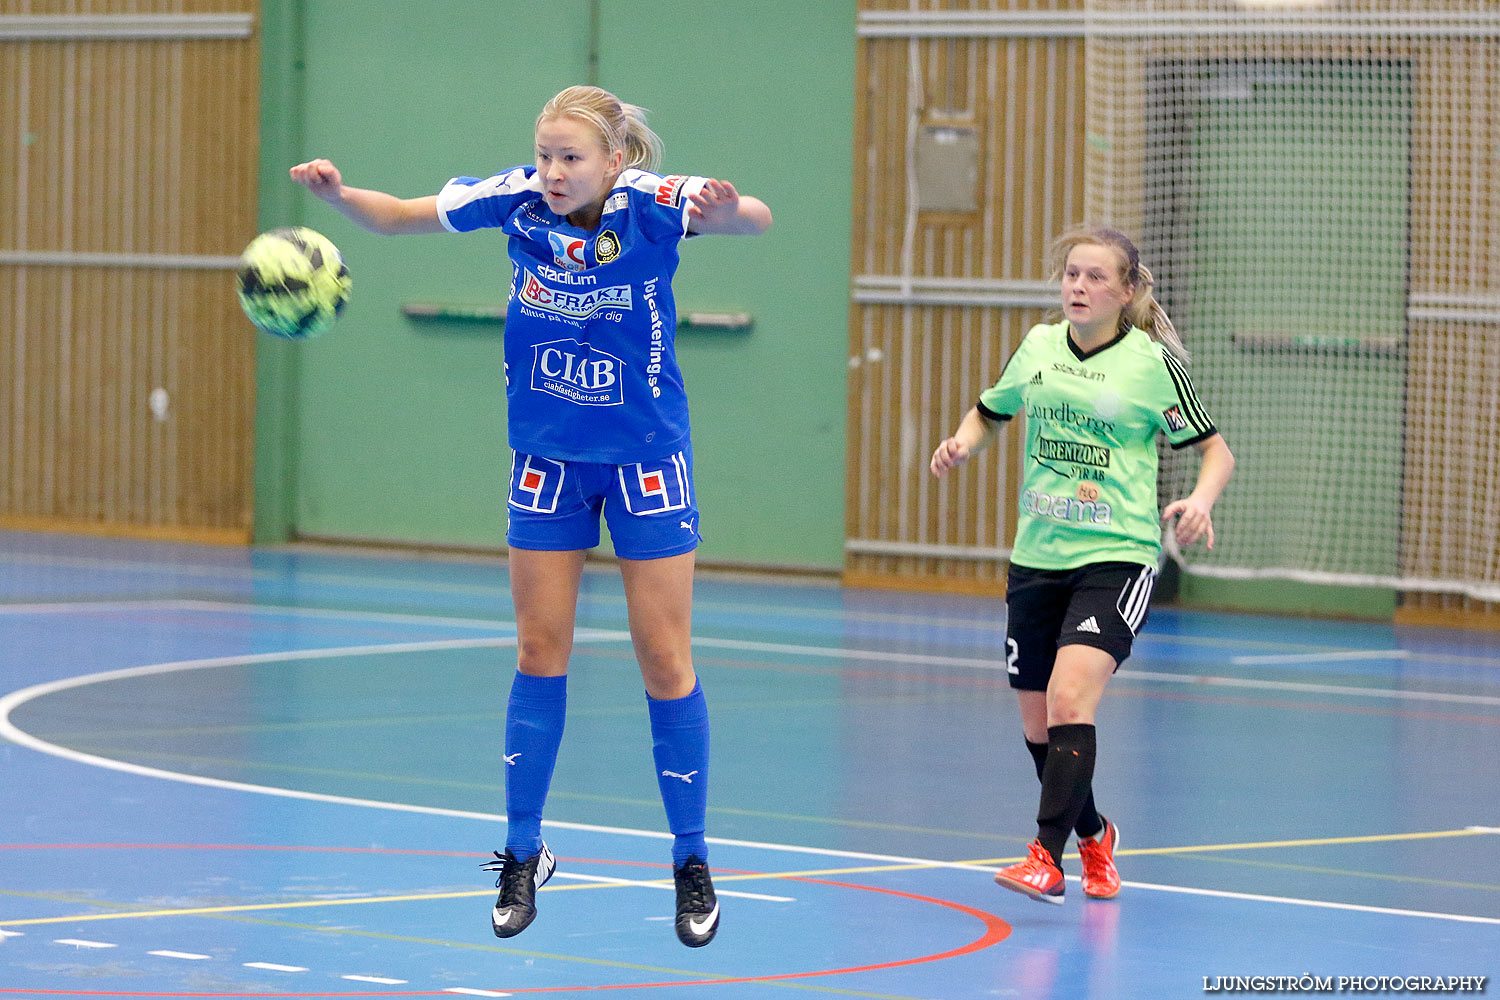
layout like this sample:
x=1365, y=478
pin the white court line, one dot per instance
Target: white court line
x=187, y=956
x=13, y=700
x=641, y=884
x=1335, y=657
x=375, y=979
x=843, y=653
x=80, y=943
x=1137, y=675
x=1205, y=680
x=1318, y=903
x=273, y=967
x=73, y=607
x=388, y=617
x=475, y=993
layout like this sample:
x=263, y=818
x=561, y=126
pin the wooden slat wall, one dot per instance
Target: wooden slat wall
x=1452, y=460
x=916, y=369
x=140, y=147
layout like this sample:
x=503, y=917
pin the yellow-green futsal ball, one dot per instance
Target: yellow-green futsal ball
x=293, y=282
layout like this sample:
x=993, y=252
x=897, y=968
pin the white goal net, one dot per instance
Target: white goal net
x=1316, y=186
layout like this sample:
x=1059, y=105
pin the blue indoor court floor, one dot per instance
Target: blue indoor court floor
x=275, y=772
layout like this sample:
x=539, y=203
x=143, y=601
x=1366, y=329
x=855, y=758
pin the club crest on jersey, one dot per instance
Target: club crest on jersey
x=606, y=246
x=579, y=373
x=567, y=251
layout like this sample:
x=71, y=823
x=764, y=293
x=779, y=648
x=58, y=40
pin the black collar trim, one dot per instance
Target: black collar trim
x=1083, y=355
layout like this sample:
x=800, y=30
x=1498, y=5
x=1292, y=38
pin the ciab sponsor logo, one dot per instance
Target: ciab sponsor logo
x=573, y=305
x=579, y=373
x=1064, y=508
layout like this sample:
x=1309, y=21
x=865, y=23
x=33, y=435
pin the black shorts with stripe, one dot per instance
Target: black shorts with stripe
x=1103, y=605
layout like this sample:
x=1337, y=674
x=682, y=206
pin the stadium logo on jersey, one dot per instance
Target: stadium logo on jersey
x=669, y=191
x=1072, y=451
x=606, y=246
x=655, y=487
x=573, y=305
x=579, y=373
x=1061, y=508
x=1174, y=418
x=567, y=251
x=1092, y=376
x=535, y=483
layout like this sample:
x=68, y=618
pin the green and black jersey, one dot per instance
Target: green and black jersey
x=1088, y=493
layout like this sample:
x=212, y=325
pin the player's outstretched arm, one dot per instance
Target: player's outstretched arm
x=375, y=211
x=719, y=208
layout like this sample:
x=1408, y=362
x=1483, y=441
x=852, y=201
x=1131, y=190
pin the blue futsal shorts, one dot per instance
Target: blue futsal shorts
x=554, y=506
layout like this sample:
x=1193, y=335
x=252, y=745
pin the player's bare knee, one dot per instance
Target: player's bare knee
x=543, y=656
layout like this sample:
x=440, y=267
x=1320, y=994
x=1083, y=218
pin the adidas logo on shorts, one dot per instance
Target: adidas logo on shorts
x=1089, y=624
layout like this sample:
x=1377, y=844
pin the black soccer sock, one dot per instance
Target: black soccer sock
x=1066, y=780
x=1090, y=823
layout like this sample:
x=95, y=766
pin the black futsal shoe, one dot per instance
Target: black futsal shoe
x=518, y=882
x=697, y=906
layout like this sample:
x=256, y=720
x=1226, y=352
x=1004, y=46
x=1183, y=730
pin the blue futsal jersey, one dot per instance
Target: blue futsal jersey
x=590, y=365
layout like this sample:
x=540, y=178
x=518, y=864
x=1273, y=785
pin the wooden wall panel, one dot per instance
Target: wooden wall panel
x=121, y=212
x=917, y=366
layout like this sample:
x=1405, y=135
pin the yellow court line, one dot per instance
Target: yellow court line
x=1257, y=845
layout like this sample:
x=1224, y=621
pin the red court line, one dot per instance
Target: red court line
x=996, y=930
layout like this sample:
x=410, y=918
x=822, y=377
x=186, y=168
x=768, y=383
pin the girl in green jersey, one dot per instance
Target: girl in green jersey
x=1097, y=389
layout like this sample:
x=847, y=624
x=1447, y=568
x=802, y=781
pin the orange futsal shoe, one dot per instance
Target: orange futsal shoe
x=1100, y=880
x=1037, y=876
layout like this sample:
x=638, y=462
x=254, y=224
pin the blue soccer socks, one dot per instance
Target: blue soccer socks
x=533, y=731
x=679, y=733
